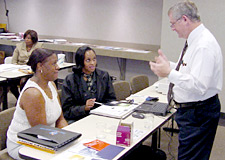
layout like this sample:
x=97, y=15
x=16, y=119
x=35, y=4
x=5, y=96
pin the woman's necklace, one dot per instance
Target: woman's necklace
x=89, y=80
x=28, y=48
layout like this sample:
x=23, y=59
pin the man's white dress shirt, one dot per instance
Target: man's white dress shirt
x=201, y=74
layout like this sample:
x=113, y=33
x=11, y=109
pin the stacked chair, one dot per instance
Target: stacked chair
x=5, y=120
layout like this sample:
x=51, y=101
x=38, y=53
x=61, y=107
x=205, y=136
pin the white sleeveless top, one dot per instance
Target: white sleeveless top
x=52, y=108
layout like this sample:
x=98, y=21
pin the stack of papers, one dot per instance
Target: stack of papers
x=60, y=41
x=115, y=110
x=79, y=44
x=8, y=36
x=135, y=50
x=86, y=150
x=10, y=67
x=46, y=40
x=17, y=40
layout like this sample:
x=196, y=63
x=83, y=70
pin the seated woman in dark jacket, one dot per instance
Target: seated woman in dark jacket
x=84, y=86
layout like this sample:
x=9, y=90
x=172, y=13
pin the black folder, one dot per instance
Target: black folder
x=46, y=138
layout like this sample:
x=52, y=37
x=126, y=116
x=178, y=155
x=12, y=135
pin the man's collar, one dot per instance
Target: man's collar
x=194, y=33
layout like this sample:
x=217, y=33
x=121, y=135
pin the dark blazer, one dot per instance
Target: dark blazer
x=72, y=99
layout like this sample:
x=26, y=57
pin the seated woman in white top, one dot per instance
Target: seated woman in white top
x=38, y=102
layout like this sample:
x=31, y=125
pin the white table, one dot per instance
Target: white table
x=9, y=75
x=86, y=126
x=15, y=73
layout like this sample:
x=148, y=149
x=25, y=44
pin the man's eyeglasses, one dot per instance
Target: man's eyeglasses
x=174, y=23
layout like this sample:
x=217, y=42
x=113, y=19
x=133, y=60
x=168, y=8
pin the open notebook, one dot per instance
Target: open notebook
x=114, y=109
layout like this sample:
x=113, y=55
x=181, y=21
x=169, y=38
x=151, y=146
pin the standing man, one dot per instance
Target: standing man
x=195, y=81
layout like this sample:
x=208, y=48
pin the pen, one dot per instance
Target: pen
x=98, y=103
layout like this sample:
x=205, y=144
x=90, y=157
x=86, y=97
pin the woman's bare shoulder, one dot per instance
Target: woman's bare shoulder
x=32, y=93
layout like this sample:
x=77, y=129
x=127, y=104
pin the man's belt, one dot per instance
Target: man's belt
x=195, y=104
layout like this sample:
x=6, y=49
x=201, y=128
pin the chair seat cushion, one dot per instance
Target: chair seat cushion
x=4, y=155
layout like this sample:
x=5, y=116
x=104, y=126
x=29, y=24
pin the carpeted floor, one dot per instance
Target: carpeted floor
x=222, y=122
x=169, y=144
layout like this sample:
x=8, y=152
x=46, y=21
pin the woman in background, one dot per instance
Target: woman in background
x=23, y=50
x=84, y=86
x=38, y=102
x=21, y=55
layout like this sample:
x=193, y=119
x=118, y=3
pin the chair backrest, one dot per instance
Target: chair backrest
x=138, y=83
x=122, y=90
x=5, y=120
x=8, y=60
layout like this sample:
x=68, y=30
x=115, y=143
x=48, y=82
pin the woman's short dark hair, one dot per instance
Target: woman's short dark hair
x=80, y=55
x=39, y=55
x=33, y=34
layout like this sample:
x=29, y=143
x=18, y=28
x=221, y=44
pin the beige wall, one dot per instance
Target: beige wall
x=131, y=21
x=3, y=18
x=112, y=20
x=212, y=15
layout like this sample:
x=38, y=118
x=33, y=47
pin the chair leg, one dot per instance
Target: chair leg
x=159, y=137
x=15, y=91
